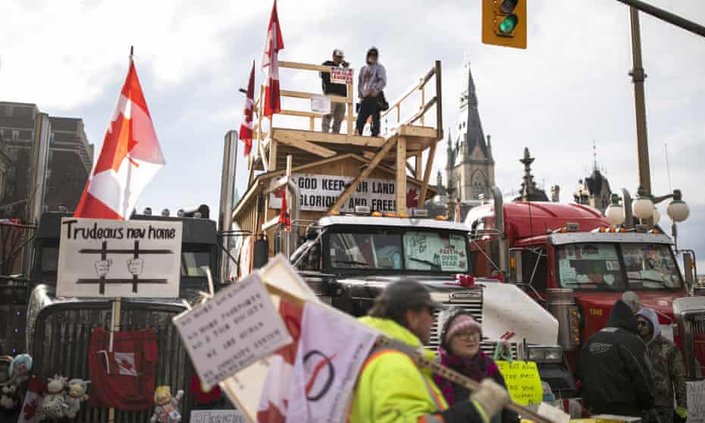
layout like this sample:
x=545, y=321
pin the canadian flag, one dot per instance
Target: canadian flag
x=284, y=216
x=246, y=126
x=129, y=158
x=270, y=63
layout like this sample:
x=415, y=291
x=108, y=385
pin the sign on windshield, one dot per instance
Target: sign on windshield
x=396, y=250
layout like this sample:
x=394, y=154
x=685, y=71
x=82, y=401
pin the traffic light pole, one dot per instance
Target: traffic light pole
x=638, y=76
x=666, y=16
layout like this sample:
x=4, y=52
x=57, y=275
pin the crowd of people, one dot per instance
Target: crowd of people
x=628, y=368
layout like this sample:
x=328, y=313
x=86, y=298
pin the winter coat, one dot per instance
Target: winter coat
x=372, y=79
x=667, y=365
x=477, y=368
x=329, y=87
x=392, y=389
x=615, y=375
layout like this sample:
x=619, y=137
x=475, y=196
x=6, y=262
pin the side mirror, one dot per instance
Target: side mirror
x=689, y=269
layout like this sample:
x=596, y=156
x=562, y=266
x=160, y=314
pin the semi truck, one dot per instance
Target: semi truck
x=576, y=265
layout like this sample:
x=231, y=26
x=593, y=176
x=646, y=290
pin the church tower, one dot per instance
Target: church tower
x=470, y=168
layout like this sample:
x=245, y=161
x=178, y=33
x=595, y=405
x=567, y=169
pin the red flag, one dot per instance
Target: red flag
x=272, y=99
x=125, y=377
x=246, y=126
x=129, y=158
x=284, y=217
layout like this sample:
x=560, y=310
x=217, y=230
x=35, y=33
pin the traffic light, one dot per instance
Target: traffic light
x=504, y=23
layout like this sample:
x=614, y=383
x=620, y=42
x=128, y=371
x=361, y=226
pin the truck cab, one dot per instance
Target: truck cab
x=569, y=259
x=58, y=329
x=349, y=260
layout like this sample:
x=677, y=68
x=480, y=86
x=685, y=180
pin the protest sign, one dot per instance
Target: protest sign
x=217, y=416
x=114, y=258
x=523, y=381
x=232, y=330
x=320, y=104
x=341, y=75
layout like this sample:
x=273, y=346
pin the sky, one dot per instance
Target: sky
x=568, y=89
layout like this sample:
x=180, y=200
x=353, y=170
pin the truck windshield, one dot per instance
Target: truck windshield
x=417, y=250
x=617, y=267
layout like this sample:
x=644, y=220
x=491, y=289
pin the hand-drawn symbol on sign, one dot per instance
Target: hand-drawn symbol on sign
x=134, y=266
x=323, y=368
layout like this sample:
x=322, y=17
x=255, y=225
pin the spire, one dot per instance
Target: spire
x=594, y=156
x=529, y=191
x=474, y=136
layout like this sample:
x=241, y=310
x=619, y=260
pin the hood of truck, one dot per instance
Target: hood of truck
x=599, y=304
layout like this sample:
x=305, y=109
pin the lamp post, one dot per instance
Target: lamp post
x=638, y=76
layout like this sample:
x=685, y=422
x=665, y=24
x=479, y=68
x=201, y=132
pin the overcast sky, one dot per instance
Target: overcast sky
x=568, y=88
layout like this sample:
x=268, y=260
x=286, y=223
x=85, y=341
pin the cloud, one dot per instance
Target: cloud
x=568, y=88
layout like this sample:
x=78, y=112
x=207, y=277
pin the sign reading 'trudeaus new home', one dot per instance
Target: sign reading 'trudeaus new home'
x=113, y=258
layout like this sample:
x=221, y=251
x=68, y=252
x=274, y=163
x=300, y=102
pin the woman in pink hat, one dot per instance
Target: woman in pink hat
x=460, y=350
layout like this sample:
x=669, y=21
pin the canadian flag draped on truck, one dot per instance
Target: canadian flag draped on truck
x=129, y=158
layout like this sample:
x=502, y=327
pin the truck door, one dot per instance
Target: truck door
x=528, y=269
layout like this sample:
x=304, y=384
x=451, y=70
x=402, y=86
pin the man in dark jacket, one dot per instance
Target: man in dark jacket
x=337, y=110
x=612, y=366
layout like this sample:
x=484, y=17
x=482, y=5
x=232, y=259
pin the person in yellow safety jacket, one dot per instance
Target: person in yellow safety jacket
x=391, y=388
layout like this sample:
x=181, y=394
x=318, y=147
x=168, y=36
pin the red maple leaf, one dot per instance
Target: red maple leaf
x=127, y=365
x=412, y=198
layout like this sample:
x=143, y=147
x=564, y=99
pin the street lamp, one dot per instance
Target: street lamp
x=677, y=209
x=643, y=206
x=615, y=211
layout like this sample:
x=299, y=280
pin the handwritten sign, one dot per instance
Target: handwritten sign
x=523, y=381
x=319, y=192
x=217, y=416
x=340, y=75
x=113, y=258
x=232, y=330
x=320, y=104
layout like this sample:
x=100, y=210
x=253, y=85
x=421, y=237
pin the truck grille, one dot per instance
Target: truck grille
x=472, y=305
x=62, y=337
x=697, y=324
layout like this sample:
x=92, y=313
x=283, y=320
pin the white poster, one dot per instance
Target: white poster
x=319, y=192
x=506, y=308
x=217, y=416
x=320, y=104
x=326, y=367
x=232, y=330
x=340, y=75
x=115, y=258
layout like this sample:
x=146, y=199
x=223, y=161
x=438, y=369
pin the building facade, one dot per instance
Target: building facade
x=70, y=160
x=470, y=166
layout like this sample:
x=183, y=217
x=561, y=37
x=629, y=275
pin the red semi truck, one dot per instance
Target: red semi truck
x=571, y=261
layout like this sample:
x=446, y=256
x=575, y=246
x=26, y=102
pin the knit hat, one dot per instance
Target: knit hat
x=458, y=321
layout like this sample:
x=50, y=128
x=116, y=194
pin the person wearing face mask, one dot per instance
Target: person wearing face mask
x=667, y=367
x=371, y=81
x=460, y=350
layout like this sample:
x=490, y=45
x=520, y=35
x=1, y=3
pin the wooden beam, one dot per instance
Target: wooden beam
x=401, y=175
x=417, y=165
x=427, y=174
x=272, y=160
x=417, y=131
x=312, y=136
x=365, y=173
x=305, y=95
x=299, y=141
x=303, y=66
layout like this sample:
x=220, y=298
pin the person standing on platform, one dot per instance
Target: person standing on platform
x=371, y=82
x=337, y=110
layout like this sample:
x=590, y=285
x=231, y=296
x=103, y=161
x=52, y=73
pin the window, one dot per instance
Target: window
x=590, y=266
x=15, y=135
x=650, y=266
x=533, y=268
x=192, y=263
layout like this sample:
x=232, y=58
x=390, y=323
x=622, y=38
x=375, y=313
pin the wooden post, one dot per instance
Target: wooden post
x=427, y=173
x=439, y=101
x=350, y=102
x=364, y=174
x=401, y=175
x=423, y=100
x=114, y=327
x=418, y=158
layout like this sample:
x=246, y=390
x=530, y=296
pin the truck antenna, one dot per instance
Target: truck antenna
x=668, y=167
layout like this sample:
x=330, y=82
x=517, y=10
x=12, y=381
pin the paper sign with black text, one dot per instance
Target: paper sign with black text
x=232, y=330
x=115, y=258
x=341, y=75
x=217, y=416
x=522, y=380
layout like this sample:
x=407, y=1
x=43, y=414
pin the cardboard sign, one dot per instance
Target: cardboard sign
x=232, y=330
x=523, y=381
x=114, y=258
x=340, y=75
x=320, y=104
x=217, y=416
x=319, y=192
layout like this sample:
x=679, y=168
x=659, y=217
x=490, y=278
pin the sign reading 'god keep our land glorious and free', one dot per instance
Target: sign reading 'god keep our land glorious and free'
x=115, y=258
x=319, y=192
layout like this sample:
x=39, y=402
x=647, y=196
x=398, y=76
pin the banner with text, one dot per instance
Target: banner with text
x=114, y=258
x=232, y=330
x=319, y=192
x=341, y=75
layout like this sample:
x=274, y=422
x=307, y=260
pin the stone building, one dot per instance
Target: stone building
x=70, y=159
x=594, y=191
x=470, y=166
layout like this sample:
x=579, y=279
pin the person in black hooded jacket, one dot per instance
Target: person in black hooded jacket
x=615, y=376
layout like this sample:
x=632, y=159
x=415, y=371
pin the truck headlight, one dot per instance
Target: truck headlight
x=545, y=354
